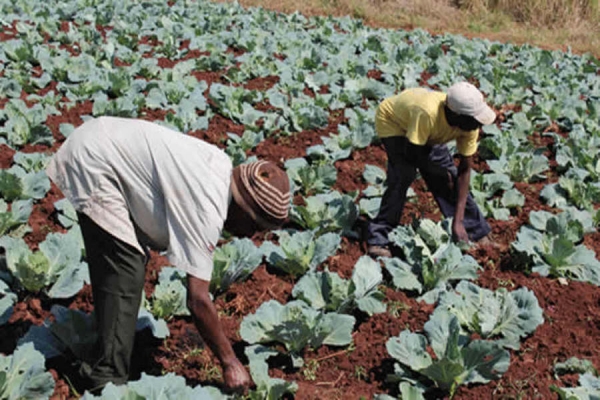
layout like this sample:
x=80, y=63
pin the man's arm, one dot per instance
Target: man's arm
x=464, y=176
x=207, y=322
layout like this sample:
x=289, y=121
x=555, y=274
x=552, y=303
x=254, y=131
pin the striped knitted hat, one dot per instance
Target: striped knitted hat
x=262, y=189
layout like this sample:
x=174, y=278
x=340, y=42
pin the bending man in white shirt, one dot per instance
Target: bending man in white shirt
x=138, y=185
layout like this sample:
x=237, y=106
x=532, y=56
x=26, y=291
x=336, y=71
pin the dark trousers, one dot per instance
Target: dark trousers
x=439, y=172
x=117, y=276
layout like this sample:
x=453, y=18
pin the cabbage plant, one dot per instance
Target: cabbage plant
x=236, y=103
x=170, y=294
x=588, y=389
x=56, y=268
x=503, y=315
x=310, y=178
x=299, y=252
x=521, y=166
x=7, y=302
x=485, y=188
x=25, y=125
x=499, y=143
x=579, y=150
x=15, y=220
x=31, y=162
x=339, y=146
x=423, y=239
x=165, y=387
x=17, y=184
x=575, y=365
x=573, y=189
x=296, y=325
x=23, y=375
x=328, y=291
x=456, y=360
x=233, y=262
x=66, y=213
x=375, y=177
x=431, y=262
x=266, y=387
x=551, y=246
x=237, y=146
x=326, y=212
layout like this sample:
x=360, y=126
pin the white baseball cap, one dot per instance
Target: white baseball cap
x=465, y=99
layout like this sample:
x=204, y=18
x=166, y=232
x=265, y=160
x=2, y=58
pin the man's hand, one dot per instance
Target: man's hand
x=236, y=378
x=459, y=233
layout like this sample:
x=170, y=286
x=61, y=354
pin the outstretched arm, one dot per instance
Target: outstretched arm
x=464, y=176
x=207, y=322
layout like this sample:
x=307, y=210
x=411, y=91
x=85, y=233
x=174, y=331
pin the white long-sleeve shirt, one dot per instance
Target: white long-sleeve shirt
x=128, y=173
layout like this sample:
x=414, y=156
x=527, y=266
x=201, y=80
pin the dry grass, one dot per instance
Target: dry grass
x=563, y=13
x=553, y=24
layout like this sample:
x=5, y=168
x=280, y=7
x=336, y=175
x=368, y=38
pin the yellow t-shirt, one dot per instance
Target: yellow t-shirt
x=419, y=115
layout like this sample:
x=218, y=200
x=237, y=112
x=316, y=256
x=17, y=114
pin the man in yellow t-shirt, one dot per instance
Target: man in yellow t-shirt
x=414, y=127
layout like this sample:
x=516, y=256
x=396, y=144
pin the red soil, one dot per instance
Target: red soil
x=350, y=171
x=217, y=131
x=42, y=219
x=261, y=84
x=6, y=156
x=286, y=147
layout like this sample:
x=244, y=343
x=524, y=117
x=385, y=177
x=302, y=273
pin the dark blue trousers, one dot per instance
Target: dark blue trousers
x=439, y=172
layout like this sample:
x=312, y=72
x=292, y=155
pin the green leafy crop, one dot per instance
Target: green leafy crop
x=23, y=375
x=300, y=252
x=456, y=361
x=55, y=268
x=431, y=261
x=549, y=246
x=327, y=291
x=233, y=262
x=308, y=178
x=503, y=315
x=296, y=325
x=170, y=295
x=326, y=212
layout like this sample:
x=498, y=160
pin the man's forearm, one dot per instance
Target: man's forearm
x=463, y=181
x=207, y=322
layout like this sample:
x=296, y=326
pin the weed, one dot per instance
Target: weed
x=196, y=351
x=514, y=390
x=396, y=307
x=505, y=282
x=284, y=140
x=211, y=372
x=310, y=370
x=351, y=348
x=360, y=372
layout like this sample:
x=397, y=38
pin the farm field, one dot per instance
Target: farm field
x=307, y=311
